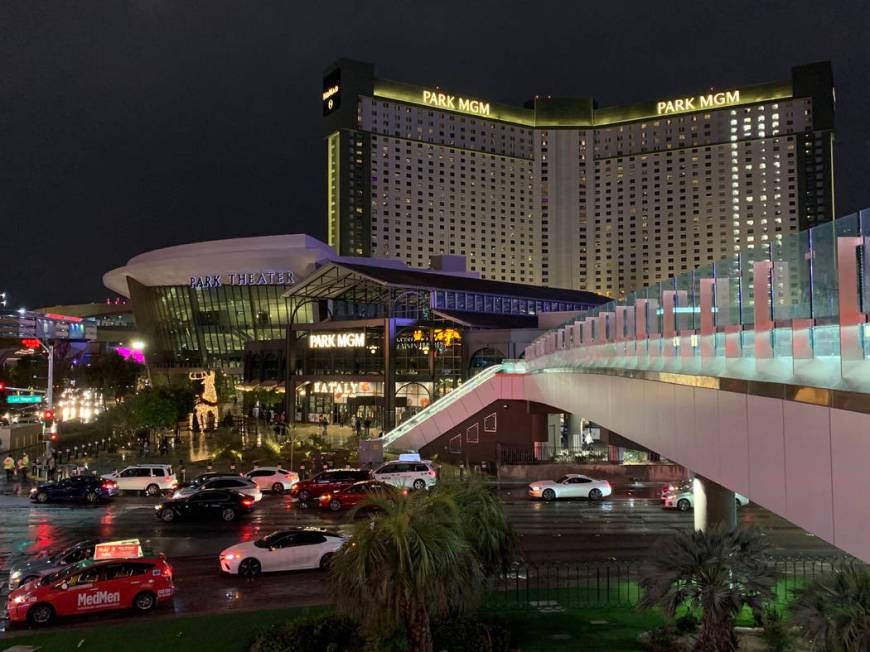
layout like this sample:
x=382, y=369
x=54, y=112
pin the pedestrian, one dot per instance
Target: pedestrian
x=183, y=471
x=52, y=467
x=358, y=426
x=368, y=424
x=324, y=422
x=23, y=466
x=9, y=467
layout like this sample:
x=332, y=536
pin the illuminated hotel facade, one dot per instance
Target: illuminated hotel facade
x=564, y=194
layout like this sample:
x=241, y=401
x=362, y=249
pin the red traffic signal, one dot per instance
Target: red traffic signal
x=48, y=416
x=2, y=386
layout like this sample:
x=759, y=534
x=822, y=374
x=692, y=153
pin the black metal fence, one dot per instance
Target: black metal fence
x=604, y=584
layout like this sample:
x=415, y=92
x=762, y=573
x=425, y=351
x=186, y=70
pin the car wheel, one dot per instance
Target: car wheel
x=548, y=495
x=278, y=488
x=684, y=505
x=419, y=484
x=325, y=561
x=335, y=505
x=595, y=494
x=40, y=614
x=152, y=490
x=304, y=496
x=228, y=514
x=42, y=497
x=250, y=567
x=144, y=602
x=167, y=515
x=91, y=497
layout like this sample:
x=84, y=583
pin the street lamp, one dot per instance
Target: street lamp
x=139, y=345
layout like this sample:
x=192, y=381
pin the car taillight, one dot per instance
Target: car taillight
x=247, y=502
x=432, y=473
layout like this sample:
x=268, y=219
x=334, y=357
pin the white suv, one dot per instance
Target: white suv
x=150, y=478
x=418, y=475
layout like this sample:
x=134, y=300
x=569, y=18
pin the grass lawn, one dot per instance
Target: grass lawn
x=225, y=632
x=614, y=630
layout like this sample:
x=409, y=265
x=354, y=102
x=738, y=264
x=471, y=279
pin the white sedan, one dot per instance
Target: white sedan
x=685, y=500
x=272, y=478
x=285, y=550
x=234, y=482
x=571, y=485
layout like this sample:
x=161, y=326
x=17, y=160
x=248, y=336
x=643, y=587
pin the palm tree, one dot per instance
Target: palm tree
x=834, y=611
x=718, y=571
x=485, y=524
x=408, y=563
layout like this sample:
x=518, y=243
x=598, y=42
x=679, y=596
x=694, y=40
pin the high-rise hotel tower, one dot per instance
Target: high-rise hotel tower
x=562, y=193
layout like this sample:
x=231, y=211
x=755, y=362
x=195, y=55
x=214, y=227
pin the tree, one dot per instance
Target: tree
x=151, y=410
x=112, y=374
x=834, y=610
x=408, y=563
x=485, y=525
x=718, y=571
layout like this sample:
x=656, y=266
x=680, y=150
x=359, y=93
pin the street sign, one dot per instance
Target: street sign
x=32, y=398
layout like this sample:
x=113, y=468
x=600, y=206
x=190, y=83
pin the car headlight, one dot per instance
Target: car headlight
x=15, y=575
x=21, y=599
x=158, y=507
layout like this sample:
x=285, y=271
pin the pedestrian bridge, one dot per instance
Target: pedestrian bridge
x=753, y=372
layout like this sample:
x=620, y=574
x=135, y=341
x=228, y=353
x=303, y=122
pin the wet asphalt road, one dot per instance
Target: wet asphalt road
x=624, y=526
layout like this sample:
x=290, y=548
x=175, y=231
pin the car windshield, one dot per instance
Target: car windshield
x=57, y=575
x=269, y=540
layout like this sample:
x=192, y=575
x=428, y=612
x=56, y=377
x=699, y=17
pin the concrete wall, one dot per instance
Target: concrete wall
x=19, y=436
x=807, y=463
x=510, y=423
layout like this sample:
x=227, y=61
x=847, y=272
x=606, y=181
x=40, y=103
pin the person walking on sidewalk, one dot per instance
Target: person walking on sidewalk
x=23, y=466
x=52, y=467
x=9, y=467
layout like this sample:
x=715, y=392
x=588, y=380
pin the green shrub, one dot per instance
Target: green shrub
x=686, y=624
x=776, y=634
x=662, y=639
x=472, y=635
x=322, y=632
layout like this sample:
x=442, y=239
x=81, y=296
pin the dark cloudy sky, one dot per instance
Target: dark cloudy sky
x=130, y=125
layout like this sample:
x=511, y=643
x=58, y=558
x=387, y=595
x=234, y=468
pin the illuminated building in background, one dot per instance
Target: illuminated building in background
x=563, y=193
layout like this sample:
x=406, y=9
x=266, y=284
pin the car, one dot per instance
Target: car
x=683, y=485
x=234, y=482
x=293, y=549
x=32, y=569
x=91, y=587
x=327, y=482
x=224, y=504
x=685, y=500
x=416, y=475
x=355, y=494
x=273, y=478
x=78, y=488
x=571, y=485
x=153, y=479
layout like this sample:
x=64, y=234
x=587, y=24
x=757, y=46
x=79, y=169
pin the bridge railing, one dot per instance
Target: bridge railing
x=791, y=309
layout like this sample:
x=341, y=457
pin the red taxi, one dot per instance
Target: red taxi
x=139, y=583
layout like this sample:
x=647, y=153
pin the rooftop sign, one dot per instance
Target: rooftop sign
x=455, y=103
x=242, y=278
x=698, y=102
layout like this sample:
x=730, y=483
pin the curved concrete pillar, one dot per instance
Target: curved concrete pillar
x=714, y=504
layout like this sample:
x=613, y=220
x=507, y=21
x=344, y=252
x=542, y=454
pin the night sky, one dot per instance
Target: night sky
x=131, y=125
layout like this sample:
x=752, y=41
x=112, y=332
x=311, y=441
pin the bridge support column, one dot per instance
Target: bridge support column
x=714, y=505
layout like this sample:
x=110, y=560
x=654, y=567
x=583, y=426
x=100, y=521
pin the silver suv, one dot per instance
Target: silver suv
x=416, y=475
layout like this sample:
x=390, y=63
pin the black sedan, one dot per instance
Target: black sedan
x=206, y=504
x=78, y=488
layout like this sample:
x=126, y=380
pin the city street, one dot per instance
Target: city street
x=624, y=527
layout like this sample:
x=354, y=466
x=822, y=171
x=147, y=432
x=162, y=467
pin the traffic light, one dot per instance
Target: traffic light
x=2, y=393
x=48, y=419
